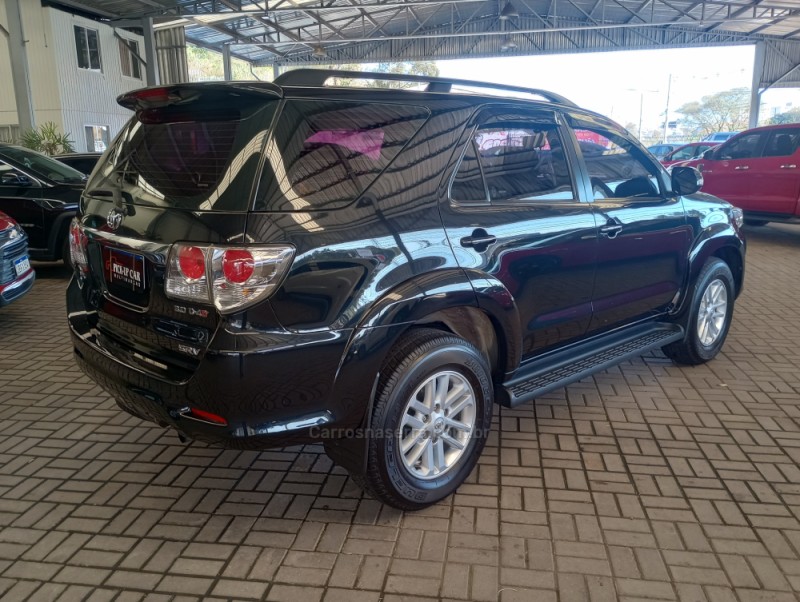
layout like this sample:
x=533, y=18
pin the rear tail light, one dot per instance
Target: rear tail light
x=232, y=278
x=77, y=246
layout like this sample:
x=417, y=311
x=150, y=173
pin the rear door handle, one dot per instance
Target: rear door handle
x=789, y=166
x=479, y=240
x=741, y=167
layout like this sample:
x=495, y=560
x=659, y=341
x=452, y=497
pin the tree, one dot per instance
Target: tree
x=423, y=68
x=727, y=111
x=790, y=116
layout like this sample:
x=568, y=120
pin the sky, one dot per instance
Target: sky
x=617, y=84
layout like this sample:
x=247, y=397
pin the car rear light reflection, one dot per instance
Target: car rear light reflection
x=77, y=246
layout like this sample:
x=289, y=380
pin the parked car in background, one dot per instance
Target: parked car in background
x=16, y=273
x=83, y=162
x=757, y=170
x=373, y=269
x=659, y=151
x=42, y=195
x=693, y=150
x=719, y=137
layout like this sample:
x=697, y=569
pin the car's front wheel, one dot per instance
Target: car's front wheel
x=709, y=317
x=431, y=417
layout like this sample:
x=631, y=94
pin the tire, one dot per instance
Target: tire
x=755, y=222
x=422, y=361
x=706, y=325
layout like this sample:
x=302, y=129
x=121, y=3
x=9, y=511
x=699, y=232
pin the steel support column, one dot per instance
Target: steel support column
x=20, y=75
x=755, y=91
x=226, y=62
x=151, y=69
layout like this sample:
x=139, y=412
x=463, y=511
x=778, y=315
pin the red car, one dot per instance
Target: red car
x=16, y=273
x=757, y=170
x=687, y=152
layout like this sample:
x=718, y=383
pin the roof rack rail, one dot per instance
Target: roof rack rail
x=318, y=77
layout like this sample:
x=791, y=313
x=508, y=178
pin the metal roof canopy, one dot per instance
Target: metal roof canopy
x=287, y=32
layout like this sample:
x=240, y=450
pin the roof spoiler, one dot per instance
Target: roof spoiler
x=318, y=77
x=178, y=94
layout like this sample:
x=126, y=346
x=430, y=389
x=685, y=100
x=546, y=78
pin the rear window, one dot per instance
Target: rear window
x=191, y=158
x=324, y=154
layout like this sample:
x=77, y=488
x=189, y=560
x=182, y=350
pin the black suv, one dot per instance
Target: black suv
x=42, y=195
x=259, y=265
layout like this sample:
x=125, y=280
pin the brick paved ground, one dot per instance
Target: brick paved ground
x=647, y=482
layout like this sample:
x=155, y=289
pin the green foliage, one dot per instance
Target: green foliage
x=727, y=111
x=47, y=139
x=790, y=116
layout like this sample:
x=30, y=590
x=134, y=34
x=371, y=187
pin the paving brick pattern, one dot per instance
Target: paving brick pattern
x=649, y=481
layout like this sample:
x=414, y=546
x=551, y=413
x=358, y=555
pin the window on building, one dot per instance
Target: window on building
x=97, y=138
x=128, y=51
x=87, y=45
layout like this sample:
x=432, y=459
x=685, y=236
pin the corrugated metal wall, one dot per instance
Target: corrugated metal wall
x=171, y=53
x=781, y=64
x=88, y=97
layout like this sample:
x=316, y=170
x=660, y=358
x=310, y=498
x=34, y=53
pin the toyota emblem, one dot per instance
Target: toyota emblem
x=114, y=219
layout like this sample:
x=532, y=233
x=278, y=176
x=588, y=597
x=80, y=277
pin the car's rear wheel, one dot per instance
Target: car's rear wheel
x=709, y=316
x=431, y=417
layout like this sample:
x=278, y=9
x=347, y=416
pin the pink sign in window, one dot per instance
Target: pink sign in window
x=367, y=143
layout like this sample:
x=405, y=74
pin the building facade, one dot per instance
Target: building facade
x=77, y=68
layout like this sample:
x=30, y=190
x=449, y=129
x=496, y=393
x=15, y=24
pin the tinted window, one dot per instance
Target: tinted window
x=743, y=147
x=617, y=167
x=41, y=165
x=782, y=143
x=518, y=162
x=325, y=154
x=468, y=184
x=195, y=158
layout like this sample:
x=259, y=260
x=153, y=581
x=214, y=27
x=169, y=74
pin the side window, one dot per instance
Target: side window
x=684, y=153
x=324, y=154
x=514, y=162
x=782, y=143
x=617, y=168
x=87, y=46
x=743, y=147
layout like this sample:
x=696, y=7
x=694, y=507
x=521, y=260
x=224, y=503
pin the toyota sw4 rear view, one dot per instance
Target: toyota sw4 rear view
x=259, y=265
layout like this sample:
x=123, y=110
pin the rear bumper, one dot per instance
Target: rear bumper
x=16, y=288
x=277, y=393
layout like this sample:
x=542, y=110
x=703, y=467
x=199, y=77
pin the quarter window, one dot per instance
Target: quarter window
x=513, y=162
x=323, y=155
x=617, y=167
x=87, y=45
x=128, y=51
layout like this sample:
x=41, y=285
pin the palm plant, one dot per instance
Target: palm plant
x=47, y=139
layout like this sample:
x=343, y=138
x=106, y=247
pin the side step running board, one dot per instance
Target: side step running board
x=561, y=368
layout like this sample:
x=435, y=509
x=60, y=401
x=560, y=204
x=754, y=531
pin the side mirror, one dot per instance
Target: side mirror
x=708, y=154
x=686, y=180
